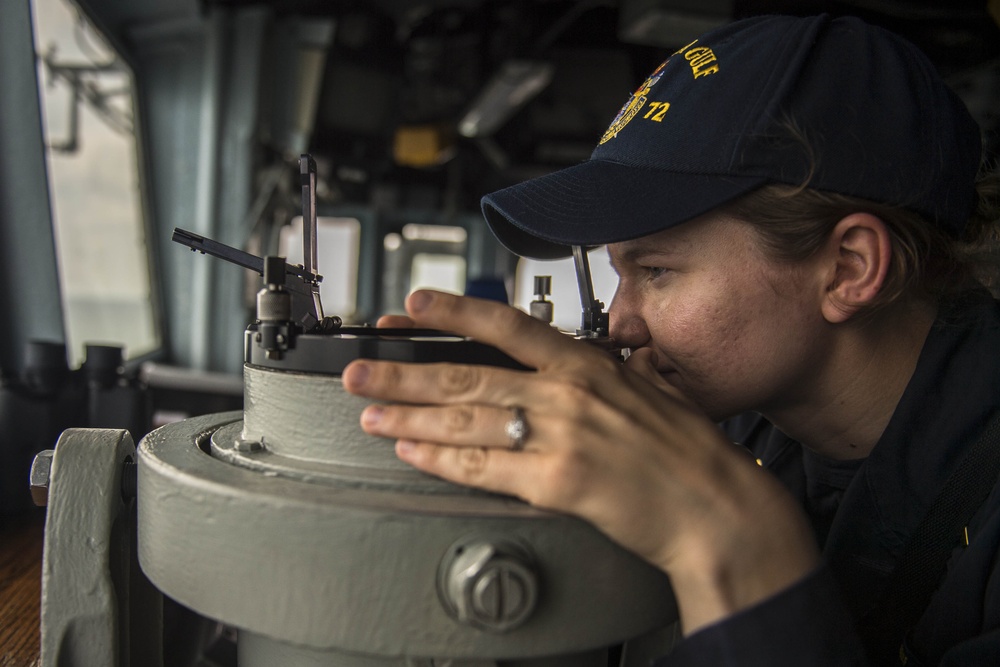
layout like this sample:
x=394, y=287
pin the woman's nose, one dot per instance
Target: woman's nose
x=626, y=326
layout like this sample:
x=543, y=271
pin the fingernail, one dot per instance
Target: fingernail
x=371, y=415
x=404, y=447
x=358, y=373
x=418, y=301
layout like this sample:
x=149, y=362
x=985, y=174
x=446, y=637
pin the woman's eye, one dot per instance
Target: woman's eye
x=653, y=272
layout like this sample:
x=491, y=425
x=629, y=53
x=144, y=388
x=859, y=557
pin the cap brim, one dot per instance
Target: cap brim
x=599, y=202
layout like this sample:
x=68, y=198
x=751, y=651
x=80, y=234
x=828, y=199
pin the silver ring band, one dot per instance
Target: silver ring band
x=516, y=429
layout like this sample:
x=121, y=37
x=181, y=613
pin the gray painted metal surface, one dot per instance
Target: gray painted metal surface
x=96, y=607
x=309, y=426
x=258, y=651
x=318, y=539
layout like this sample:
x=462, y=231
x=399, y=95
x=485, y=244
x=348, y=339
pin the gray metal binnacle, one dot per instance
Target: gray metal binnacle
x=290, y=523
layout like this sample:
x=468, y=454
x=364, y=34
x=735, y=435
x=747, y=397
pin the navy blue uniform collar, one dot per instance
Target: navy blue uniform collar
x=954, y=390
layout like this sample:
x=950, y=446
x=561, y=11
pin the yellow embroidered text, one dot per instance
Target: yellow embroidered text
x=702, y=60
x=660, y=108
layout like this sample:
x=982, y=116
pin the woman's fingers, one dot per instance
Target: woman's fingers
x=434, y=383
x=394, y=322
x=557, y=468
x=527, y=339
x=465, y=425
x=492, y=469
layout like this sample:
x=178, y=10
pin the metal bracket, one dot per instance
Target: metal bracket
x=594, y=321
x=97, y=606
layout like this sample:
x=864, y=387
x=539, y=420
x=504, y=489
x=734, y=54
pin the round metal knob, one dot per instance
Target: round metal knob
x=490, y=586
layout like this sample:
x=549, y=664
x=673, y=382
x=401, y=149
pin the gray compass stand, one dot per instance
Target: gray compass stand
x=289, y=523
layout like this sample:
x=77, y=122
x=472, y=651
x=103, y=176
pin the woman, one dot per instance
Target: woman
x=784, y=201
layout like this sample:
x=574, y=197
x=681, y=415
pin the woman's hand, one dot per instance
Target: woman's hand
x=613, y=444
x=394, y=322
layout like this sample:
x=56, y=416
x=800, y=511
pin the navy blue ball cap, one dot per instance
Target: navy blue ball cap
x=833, y=103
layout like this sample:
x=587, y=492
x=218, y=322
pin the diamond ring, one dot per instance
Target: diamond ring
x=516, y=429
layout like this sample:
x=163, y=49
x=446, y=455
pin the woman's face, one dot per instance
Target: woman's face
x=733, y=329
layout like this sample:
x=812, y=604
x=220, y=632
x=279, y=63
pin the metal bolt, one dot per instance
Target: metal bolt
x=41, y=475
x=248, y=445
x=491, y=586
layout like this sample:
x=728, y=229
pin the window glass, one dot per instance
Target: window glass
x=422, y=256
x=441, y=272
x=567, y=308
x=438, y=259
x=89, y=128
x=337, y=248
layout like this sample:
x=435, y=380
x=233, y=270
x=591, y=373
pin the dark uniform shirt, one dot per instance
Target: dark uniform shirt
x=863, y=513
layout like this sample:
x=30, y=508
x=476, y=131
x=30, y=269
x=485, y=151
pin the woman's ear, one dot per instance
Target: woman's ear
x=859, y=251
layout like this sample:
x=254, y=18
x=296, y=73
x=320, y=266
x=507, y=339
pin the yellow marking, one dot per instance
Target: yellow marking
x=702, y=60
x=686, y=47
x=698, y=73
x=660, y=108
x=965, y=536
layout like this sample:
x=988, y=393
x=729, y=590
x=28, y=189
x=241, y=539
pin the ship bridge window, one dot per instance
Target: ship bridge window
x=439, y=257
x=88, y=122
x=423, y=256
x=337, y=248
x=567, y=307
x=438, y=271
